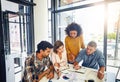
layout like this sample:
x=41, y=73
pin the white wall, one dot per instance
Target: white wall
x=40, y=21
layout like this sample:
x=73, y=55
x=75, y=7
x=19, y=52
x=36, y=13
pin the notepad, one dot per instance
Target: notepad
x=64, y=68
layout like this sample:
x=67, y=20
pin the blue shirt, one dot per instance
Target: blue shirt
x=94, y=60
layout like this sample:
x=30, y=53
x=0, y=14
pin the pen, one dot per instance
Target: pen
x=76, y=71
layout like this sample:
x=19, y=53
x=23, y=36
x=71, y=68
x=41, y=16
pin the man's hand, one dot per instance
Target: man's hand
x=47, y=71
x=50, y=75
x=100, y=75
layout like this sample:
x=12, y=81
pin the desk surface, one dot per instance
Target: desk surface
x=81, y=75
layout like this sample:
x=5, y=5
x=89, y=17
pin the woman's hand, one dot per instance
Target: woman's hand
x=76, y=65
x=57, y=65
x=72, y=58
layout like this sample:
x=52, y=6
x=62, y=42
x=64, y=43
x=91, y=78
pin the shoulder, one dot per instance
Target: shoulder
x=30, y=57
x=53, y=54
x=98, y=51
x=80, y=37
x=64, y=52
x=67, y=37
x=83, y=51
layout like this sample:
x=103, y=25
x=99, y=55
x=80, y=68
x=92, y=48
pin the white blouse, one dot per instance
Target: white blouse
x=56, y=59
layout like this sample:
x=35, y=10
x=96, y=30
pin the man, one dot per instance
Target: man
x=92, y=58
x=39, y=65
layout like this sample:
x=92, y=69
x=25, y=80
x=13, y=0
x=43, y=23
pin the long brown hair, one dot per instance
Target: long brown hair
x=57, y=44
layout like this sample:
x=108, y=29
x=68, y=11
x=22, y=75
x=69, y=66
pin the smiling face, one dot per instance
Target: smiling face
x=90, y=50
x=46, y=52
x=73, y=33
x=60, y=49
x=43, y=53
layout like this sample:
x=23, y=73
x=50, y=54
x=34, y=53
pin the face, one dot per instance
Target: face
x=46, y=52
x=60, y=49
x=73, y=33
x=90, y=50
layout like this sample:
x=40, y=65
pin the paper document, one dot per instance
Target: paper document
x=81, y=70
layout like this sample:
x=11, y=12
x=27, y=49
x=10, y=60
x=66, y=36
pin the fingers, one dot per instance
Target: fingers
x=76, y=67
x=100, y=75
x=50, y=76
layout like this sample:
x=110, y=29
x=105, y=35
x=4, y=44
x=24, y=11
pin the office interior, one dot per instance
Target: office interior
x=24, y=23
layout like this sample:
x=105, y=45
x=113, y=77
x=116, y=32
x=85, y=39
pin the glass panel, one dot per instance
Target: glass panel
x=71, y=3
x=49, y=32
x=17, y=31
x=49, y=3
x=113, y=47
x=49, y=15
x=14, y=31
x=89, y=19
x=49, y=21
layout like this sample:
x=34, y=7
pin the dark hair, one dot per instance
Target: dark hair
x=43, y=45
x=57, y=44
x=73, y=26
x=92, y=44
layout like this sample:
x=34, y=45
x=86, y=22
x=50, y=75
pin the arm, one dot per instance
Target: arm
x=70, y=56
x=101, y=63
x=77, y=60
x=66, y=46
x=54, y=60
x=83, y=45
x=41, y=75
x=51, y=73
x=64, y=59
x=100, y=73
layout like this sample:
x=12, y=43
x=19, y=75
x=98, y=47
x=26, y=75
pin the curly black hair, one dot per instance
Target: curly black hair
x=43, y=45
x=73, y=26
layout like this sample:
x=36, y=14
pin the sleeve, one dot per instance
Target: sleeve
x=64, y=60
x=65, y=57
x=101, y=60
x=67, y=48
x=79, y=57
x=82, y=44
x=28, y=69
x=49, y=62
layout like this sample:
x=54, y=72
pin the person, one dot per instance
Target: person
x=73, y=41
x=39, y=65
x=59, y=58
x=92, y=58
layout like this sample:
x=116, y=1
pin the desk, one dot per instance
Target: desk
x=76, y=76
